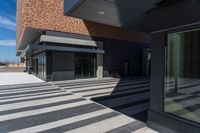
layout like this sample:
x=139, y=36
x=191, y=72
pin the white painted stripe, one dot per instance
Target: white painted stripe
x=117, y=93
x=28, y=90
x=97, y=85
x=101, y=82
x=63, y=122
x=15, y=87
x=83, y=80
x=36, y=102
x=111, y=92
x=42, y=111
x=94, y=86
x=31, y=94
x=26, y=98
x=108, y=84
x=105, y=125
x=145, y=130
x=24, y=86
x=93, y=92
x=124, y=100
x=98, y=95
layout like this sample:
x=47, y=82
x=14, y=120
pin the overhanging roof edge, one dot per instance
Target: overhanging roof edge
x=68, y=49
x=71, y=5
x=66, y=40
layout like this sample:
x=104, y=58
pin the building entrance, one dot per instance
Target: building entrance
x=85, y=66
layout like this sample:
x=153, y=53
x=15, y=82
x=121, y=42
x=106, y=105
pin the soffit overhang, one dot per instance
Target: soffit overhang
x=143, y=15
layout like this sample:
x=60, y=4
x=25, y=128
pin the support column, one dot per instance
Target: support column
x=29, y=64
x=99, y=66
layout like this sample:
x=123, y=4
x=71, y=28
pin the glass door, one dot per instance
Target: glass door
x=85, y=67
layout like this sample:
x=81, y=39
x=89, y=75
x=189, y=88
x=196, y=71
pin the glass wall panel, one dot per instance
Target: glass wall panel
x=182, y=75
x=85, y=66
x=39, y=66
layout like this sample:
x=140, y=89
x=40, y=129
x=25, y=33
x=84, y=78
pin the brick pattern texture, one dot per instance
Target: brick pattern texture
x=48, y=15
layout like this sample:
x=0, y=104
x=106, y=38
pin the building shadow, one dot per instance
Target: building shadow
x=130, y=96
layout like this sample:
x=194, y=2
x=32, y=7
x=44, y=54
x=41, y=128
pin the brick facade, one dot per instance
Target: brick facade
x=48, y=15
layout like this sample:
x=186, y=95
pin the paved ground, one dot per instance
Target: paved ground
x=10, y=78
x=128, y=96
x=45, y=107
x=8, y=69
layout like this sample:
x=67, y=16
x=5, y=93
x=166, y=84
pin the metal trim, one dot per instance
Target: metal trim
x=74, y=4
x=66, y=40
x=68, y=49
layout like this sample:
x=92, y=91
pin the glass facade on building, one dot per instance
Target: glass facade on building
x=182, y=75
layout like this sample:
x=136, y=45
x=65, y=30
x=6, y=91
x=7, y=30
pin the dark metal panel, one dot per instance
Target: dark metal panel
x=157, y=72
x=166, y=124
x=63, y=61
x=144, y=15
x=182, y=13
x=68, y=49
x=70, y=5
x=99, y=11
x=120, y=13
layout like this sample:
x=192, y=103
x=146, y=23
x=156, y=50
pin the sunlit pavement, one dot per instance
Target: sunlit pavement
x=47, y=107
x=11, y=78
x=128, y=96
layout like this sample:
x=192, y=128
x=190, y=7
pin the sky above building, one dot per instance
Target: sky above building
x=8, y=30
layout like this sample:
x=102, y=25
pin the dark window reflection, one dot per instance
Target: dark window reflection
x=85, y=66
x=182, y=80
x=39, y=66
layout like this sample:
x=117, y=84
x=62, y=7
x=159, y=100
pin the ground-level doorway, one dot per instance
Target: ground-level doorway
x=85, y=66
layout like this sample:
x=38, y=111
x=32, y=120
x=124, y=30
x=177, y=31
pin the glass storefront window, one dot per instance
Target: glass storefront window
x=39, y=66
x=182, y=75
x=85, y=67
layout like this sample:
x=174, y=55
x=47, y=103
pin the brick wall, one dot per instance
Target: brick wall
x=48, y=15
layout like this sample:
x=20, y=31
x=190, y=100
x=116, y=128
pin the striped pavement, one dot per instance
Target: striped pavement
x=128, y=96
x=47, y=108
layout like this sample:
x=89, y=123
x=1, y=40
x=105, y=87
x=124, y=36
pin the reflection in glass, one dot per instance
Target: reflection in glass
x=182, y=75
x=85, y=67
x=39, y=66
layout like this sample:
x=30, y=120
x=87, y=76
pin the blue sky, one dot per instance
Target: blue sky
x=8, y=30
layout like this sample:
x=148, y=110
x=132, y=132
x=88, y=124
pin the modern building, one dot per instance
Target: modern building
x=67, y=39
x=59, y=47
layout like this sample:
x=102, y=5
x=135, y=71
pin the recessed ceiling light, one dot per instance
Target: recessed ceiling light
x=101, y=12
